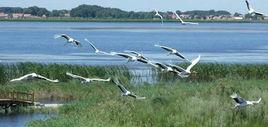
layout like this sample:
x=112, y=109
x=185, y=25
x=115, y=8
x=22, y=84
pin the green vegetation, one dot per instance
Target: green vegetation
x=176, y=104
x=201, y=100
x=34, y=10
x=205, y=72
x=211, y=72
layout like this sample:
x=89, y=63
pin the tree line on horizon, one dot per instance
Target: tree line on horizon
x=94, y=11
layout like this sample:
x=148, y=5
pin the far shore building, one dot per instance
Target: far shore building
x=238, y=17
x=67, y=15
x=3, y=15
x=17, y=15
x=23, y=16
x=185, y=16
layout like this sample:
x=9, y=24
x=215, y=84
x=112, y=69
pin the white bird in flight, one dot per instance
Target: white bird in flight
x=157, y=14
x=87, y=80
x=184, y=73
x=251, y=10
x=97, y=50
x=137, y=54
x=69, y=39
x=130, y=58
x=33, y=76
x=240, y=102
x=164, y=67
x=124, y=91
x=173, y=51
x=182, y=22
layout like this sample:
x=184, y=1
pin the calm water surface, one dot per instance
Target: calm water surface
x=215, y=42
x=20, y=119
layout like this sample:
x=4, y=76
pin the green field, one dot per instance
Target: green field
x=201, y=100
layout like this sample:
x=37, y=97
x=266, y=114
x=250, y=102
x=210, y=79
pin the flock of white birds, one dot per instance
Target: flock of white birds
x=132, y=56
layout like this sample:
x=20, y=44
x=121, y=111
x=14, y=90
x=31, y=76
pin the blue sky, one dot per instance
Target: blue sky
x=146, y=5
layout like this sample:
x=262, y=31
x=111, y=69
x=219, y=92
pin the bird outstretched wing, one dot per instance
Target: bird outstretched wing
x=239, y=100
x=136, y=97
x=25, y=77
x=122, y=54
x=96, y=49
x=164, y=47
x=102, y=80
x=178, y=17
x=133, y=52
x=75, y=76
x=122, y=88
x=93, y=46
x=248, y=6
x=45, y=78
x=258, y=13
x=65, y=36
x=176, y=67
x=161, y=65
x=77, y=43
x=194, y=62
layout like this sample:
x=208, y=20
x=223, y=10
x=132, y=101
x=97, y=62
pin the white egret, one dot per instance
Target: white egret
x=87, y=80
x=240, y=102
x=69, y=39
x=124, y=91
x=173, y=51
x=251, y=10
x=182, y=22
x=33, y=76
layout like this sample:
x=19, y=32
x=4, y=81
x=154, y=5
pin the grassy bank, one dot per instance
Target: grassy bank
x=201, y=100
x=62, y=19
x=176, y=104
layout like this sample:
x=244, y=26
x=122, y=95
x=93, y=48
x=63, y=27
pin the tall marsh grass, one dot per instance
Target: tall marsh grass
x=205, y=72
x=211, y=71
x=205, y=104
x=201, y=100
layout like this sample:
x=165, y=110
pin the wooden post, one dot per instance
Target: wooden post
x=6, y=109
x=17, y=95
x=13, y=95
x=33, y=97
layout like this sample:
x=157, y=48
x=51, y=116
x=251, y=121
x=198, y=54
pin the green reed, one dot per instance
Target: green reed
x=181, y=104
x=213, y=71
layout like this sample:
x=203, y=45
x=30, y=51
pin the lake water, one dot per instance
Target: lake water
x=21, y=119
x=215, y=42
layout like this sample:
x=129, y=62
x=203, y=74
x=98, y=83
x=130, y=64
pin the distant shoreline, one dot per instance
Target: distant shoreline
x=125, y=20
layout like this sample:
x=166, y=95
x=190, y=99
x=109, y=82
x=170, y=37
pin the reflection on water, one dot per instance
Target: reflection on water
x=21, y=119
